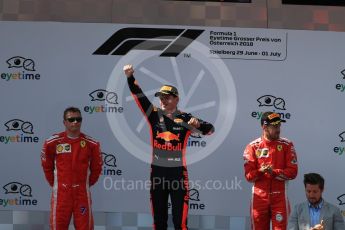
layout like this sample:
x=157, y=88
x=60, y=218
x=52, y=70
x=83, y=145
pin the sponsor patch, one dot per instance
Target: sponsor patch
x=63, y=148
x=262, y=153
x=168, y=136
x=273, y=115
x=83, y=210
x=167, y=88
x=258, y=153
x=178, y=120
x=294, y=161
x=279, y=217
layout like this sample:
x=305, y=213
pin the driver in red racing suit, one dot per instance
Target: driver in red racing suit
x=269, y=162
x=170, y=129
x=71, y=163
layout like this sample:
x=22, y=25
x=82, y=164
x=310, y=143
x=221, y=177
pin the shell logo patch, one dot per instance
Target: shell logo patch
x=279, y=147
x=82, y=144
x=59, y=148
x=258, y=153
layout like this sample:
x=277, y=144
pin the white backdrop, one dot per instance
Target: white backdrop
x=227, y=76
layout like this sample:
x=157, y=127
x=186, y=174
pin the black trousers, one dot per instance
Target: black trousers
x=171, y=181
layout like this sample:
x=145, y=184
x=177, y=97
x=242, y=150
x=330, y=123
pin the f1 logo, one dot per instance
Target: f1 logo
x=171, y=41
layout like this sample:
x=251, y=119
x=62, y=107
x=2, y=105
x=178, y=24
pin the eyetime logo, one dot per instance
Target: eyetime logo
x=340, y=86
x=273, y=103
x=340, y=149
x=23, y=69
x=341, y=200
x=171, y=41
x=21, y=195
x=18, y=125
x=110, y=167
x=102, y=95
x=195, y=140
x=194, y=200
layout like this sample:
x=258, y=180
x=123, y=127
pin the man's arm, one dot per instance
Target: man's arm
x=251, y=170
x=291, y=169
x=143, y=102
x=205, y=128
x=95, y=164
x=338, y=220
x=47, y=162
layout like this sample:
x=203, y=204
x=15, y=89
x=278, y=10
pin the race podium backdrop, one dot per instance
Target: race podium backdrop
x=227, y=76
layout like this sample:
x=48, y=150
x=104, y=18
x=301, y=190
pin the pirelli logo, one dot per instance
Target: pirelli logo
x=171, y=41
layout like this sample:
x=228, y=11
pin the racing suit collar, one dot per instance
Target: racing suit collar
x=72, y=139
x=174, y=114
x=265, y=140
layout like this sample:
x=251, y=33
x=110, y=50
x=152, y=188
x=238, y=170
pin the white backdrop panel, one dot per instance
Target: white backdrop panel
x=227, y=76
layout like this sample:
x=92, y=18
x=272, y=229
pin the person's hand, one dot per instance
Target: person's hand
x=269, y=169
x=318, y=226
x=266, y=168
x=194, y=122
x=128, y=69
x=263, y=168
